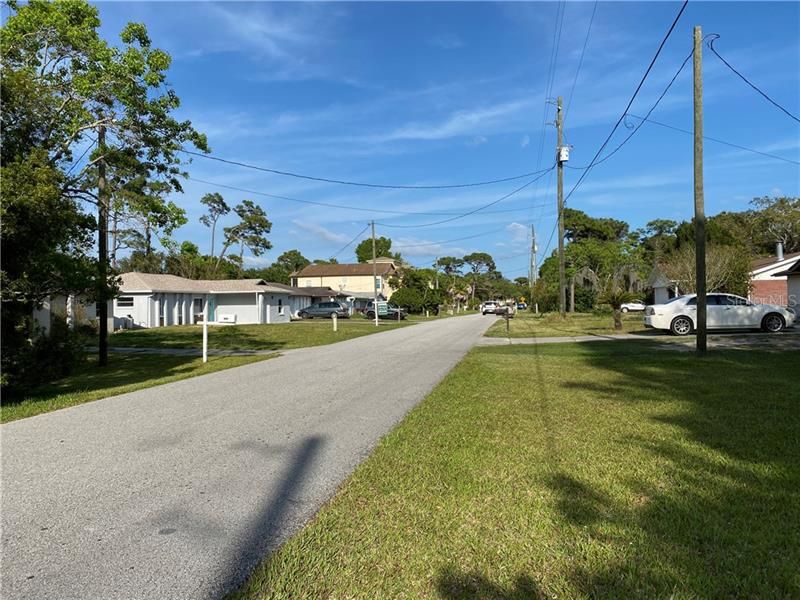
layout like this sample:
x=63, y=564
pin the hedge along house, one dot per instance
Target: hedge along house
x=150, y=300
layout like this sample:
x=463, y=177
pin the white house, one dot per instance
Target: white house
x=792, y=275
x=768, y=278
x=153, y=300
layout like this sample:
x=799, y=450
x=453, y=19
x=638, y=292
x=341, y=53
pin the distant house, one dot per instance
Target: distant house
x=768, y=279
x=155, y=300
x=353, y=280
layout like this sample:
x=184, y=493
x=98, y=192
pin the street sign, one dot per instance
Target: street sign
x=383, y=309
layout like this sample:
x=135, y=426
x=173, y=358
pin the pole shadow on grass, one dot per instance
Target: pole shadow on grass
x=452, y=585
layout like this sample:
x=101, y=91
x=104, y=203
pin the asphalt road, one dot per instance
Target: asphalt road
x=178, y=491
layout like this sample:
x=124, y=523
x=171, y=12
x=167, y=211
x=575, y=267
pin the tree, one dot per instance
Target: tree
x=249, y=233
x=65, y=93
x=580, y=226
x=479, y=262
x=280, y=271
x=727, y=269
x=217, y=208
x=778, y=220
x=383, y=247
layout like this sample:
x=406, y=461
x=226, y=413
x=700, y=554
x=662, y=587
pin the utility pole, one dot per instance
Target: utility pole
x=699, y=207
x=562, y=287
x=534, y=274
x=374, y=277
x=437, y=272
x=102, y=248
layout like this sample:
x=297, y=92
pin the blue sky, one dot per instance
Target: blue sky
x=440, y=93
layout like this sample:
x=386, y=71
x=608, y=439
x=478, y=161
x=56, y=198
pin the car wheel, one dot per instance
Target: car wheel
x=681, y=326
x=624, y=309
x=773, y=323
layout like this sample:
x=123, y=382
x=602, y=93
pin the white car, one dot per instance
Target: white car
x=632, y=306
x=724, y=311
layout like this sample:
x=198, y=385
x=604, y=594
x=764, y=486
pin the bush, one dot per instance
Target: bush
x=39, y=358
x=416, y=301
x=585, y=299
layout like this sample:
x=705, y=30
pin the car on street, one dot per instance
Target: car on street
x=632, y=306
x=392, y=312
x=489, y=307
x=325, y=310
x=724, y=311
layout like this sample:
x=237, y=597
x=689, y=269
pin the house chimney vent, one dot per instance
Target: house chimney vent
x=779, y=251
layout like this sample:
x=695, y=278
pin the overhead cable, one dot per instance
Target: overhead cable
x=358, y=183
x=630, y=102
x=746, y=80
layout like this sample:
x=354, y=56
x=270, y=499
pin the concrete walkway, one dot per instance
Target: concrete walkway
x=178, y=491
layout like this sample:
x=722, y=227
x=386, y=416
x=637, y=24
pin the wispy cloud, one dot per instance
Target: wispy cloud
x=322, y=232
x=447, y=41
x=518, y=232
x=525, y=141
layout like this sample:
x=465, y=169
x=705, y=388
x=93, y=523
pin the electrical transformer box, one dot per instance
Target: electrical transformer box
x=563, y=154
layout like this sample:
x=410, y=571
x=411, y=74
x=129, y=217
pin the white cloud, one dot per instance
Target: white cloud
x=321, y=232
x=525, y=141
x=478, y=140
x=518, y=232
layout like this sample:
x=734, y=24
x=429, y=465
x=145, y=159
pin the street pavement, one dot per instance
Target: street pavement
x=178, y=491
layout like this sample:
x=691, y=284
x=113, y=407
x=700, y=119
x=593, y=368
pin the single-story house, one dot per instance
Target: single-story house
x=155, y=300
x=792, y=275
x=768, y=281
x=76, y=310
x=301, y=297
x=354, y=279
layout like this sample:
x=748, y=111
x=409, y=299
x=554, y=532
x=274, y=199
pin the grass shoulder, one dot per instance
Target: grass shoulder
x=279, y=336
x=527, y=324
x=594, y=470
x=124, y=373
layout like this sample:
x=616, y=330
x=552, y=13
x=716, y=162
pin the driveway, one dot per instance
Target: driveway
x=178, y=491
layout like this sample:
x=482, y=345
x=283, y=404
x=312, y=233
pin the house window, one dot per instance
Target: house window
x=377, y=283
x=125, y=302
x=161, y=304
x=309, y=283
x=280, y=306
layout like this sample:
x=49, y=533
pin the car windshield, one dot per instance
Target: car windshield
x=671, y=300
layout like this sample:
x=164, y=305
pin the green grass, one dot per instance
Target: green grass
x=124, y=373
x=528, y=324
x=279, y=336
x=571, y=471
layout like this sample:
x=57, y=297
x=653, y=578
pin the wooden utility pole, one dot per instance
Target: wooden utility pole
x=562, y=287
x=374, y=277
x=534, y=274
x=102, y=248
x=699, y=207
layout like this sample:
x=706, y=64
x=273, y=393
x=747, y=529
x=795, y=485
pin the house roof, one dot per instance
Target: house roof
x=769, y=261
x=793, y=270
x=156, y=282
x=345, y=270
x=314, y=292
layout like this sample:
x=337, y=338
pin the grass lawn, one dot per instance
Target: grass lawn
x=528, y=324
x=124, y=373
x=571, y=471
x=279, y=336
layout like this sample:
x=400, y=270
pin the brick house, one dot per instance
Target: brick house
x=768, y=278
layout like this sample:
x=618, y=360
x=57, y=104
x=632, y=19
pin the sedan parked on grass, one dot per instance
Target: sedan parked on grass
x=324, y=310
x=724, y=311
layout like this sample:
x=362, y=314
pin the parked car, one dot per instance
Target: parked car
x=489, y=307
x=391, y=312
x=632, y=306
x=724, y=311
x=521, y=306
x=325, y=310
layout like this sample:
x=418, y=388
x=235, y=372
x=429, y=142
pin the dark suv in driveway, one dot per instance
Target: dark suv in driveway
x=325, y=310
x=392, y=312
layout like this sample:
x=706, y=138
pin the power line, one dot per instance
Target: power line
x=343, y=206
x=746, y=80
x=347, y=245
x=472, y=212
x=357, y=183
x=717, y=140
x=630, y=102
x=461, y=239
x=649, y=112
x=580, y=62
